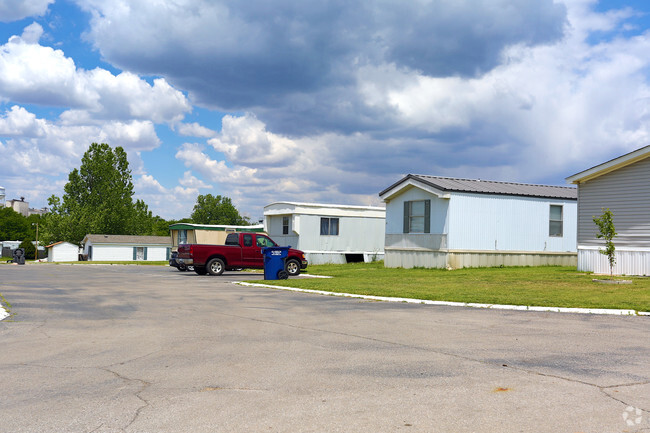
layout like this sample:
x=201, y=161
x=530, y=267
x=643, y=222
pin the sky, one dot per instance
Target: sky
x=328, y=102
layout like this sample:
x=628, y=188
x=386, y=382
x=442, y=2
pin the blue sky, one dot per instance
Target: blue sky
x=325, y=102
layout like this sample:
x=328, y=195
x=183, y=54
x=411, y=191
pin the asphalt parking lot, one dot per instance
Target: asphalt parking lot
x=149, y=349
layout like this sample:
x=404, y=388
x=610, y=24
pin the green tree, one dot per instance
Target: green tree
x=97, y=199
x=14, y=226
x=607, y=231
x=216, y=210
x=30, y=250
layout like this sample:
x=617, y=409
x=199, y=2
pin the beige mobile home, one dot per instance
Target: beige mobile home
x=207, y=234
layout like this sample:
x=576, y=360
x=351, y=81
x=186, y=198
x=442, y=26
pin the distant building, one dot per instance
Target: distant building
x=22, y=207
x=126, y=248
x=207, y=234
x=62, y=252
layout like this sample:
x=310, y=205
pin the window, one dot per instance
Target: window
x=555, y=221
x=182, y=237
x=329, y=226
x=285, y=225
x=232, y=239
x=263, y=241
x=417, y=216
x=248, y=240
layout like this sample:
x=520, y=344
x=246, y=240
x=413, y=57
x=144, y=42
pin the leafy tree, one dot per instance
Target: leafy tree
x=607, y=231
x=30, y=250
x=14, y=226
x=216, y=210
x=97, y=199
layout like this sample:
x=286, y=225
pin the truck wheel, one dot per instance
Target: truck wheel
x=215, y=267
x=200, y=270
x=292, y=267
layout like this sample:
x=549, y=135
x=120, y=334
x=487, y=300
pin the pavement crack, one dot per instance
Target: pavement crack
x=138, y=394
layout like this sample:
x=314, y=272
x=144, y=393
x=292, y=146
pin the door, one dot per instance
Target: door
x=250, y=253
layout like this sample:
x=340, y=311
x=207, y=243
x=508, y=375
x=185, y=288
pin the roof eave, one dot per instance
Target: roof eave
x=609, y=166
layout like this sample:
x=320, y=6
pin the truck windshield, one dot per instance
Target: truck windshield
x=263, y=241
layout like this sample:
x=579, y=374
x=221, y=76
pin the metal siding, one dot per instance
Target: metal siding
x=355, y=234
x=627, y=262
x=626, y=192
x=395, y=211
x=493, y=223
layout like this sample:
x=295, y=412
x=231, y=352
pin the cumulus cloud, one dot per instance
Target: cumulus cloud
x=14, y=10
x=238, y=55
x=245, y=141
x=194, y=130
x=35, y=74
x=42, y=146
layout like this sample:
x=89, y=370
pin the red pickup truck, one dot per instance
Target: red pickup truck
x=242, y=250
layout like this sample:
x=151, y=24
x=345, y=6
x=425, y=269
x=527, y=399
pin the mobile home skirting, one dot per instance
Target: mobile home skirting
x=628, y=261
x=456, y=259
x=339, y=257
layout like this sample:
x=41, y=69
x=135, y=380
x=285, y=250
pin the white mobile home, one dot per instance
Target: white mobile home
x=62, y=252
x=126, y=248
x=621, y=185
x=328, y=233
x=441, y=222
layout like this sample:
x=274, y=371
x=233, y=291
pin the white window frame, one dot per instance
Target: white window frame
x=330, y=226
x=551, y=232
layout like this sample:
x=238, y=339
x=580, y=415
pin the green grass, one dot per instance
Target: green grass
x=532, y=286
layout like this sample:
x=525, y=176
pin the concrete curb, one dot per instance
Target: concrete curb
x=459, y=304
x=3, y=313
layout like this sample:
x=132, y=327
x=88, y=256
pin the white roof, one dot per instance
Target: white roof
x=288, y=207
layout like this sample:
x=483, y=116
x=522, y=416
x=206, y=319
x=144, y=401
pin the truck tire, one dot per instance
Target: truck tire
x=215, y=267
x=292, y=267
x=200, y=270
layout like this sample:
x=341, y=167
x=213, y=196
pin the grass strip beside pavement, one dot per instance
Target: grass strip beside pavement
x=545, y=286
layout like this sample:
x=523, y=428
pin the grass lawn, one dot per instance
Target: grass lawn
x=546, y=286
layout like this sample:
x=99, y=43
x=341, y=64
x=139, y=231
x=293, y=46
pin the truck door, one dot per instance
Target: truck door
x=250, y=252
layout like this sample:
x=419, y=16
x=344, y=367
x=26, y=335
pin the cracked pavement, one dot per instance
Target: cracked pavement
x=92, y=348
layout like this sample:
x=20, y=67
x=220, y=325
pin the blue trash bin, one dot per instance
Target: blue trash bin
x=274, y=263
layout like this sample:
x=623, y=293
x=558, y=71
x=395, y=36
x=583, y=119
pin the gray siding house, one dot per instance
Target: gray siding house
x=623, y=186
x=442, y=222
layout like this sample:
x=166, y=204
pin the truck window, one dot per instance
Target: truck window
x=232, y=239
x=248, y=240
x=263, y=241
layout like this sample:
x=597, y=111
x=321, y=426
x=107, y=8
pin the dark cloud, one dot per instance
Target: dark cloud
x=235, y=56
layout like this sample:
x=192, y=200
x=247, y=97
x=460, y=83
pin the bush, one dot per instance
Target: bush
x=29, y=248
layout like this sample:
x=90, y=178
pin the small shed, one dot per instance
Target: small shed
x=621, y=185
x=62, y=252
x=328, y=233
x=442, y=222
x=206, y=234
x=126, y=248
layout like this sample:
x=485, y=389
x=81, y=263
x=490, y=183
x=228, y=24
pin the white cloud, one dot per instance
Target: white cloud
x=245, y=140
x=14, y=10
x=31, y=73
x=46, y=147
x=194, y=130
x=32, y=33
